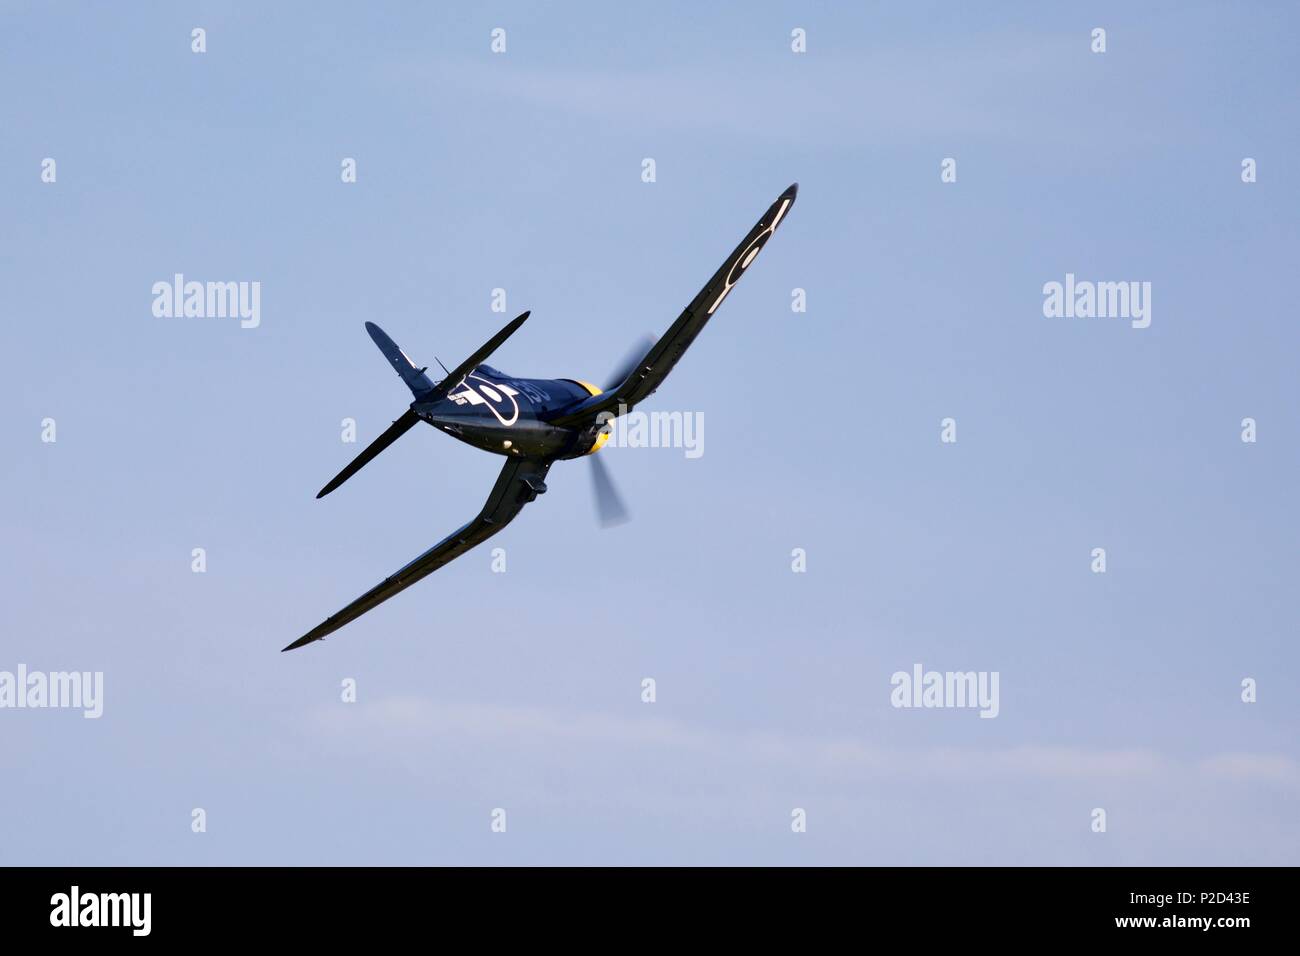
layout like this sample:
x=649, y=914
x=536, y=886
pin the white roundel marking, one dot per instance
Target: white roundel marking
x=750, y=253
x=490, y=396
x=779, y=213
x=718, y=301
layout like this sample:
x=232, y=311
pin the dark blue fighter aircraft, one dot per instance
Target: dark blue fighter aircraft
x=532, y=422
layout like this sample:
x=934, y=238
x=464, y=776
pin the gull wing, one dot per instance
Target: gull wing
x=649, y=373
x=520, y=481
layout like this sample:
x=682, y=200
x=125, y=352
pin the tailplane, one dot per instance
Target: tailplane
x=421, y=387
x=390, y=435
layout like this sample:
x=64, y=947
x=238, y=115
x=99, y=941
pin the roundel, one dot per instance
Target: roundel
x=742, y=264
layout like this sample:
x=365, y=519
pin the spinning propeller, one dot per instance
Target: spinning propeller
x=610, y=510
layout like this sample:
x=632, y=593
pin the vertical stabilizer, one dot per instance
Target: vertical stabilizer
x=411, y=374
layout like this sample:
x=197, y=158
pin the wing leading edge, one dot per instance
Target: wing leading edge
x=520, y=481
x=650, y=372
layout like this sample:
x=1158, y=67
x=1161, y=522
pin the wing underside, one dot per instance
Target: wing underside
x=650, y=372
x=520, y=481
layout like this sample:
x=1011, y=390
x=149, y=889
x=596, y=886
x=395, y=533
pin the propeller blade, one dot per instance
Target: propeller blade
x=609, y=505
x=631, y=361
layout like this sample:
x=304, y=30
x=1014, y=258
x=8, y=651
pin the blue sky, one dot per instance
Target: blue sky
x=522, y=690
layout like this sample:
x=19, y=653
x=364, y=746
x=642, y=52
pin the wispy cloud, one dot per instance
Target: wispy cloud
x=401, y=723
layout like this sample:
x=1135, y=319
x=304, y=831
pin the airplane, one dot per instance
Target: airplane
x=532, y=422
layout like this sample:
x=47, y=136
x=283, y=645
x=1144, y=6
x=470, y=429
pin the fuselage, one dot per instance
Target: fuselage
x=508, y=416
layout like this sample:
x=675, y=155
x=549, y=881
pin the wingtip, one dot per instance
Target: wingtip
x=791, y=191
x=317, y=633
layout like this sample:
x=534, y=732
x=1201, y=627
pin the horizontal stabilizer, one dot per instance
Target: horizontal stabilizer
x=457, y=375
x=390, y=435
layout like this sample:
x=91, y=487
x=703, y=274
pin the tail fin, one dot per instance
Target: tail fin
x=414, y=377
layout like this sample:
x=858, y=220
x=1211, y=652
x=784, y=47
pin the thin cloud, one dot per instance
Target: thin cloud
x=405, y=722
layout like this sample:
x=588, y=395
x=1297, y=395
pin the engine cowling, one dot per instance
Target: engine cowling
x=592, y=439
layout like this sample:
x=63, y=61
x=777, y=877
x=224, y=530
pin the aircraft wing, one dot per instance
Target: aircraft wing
x=647, y=375
x=520, y=481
